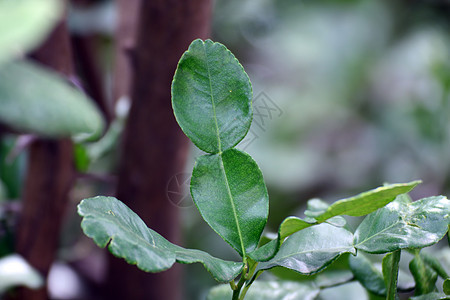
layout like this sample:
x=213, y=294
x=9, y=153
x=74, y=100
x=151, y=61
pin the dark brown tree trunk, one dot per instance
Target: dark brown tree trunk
x=154, y=148
x=48, y=180
x=125, y=42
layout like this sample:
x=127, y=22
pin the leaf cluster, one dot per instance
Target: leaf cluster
x=212, y=102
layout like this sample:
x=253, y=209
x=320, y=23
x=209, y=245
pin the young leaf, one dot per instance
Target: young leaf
x=212, y=97
x=367, y=202
x=310, y=250
x=231, y=196
x=110, y=222
x=402, y=224
x=390, y=274
x=269, y=290
x=366, y=273
x=34, y=99
x=424, y=276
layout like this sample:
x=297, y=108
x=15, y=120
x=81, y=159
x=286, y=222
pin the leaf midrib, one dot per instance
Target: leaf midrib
x=379, y=232
x=230, y=197
x=219, y=143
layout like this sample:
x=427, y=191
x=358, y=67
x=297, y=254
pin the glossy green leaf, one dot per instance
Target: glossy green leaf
x=212, y=97
x=431, y=296
x=111, y=223
x=37, y=100
x=424, y=276
x=434, y=263
x=230, y=193
x=367, y=202
x=311, y=250
x=390, y=274
x=366, y=273
x=319, y=211
x=402, y=224
x=446, y=286
x=289, y=226
x=269, y=290
x=24, y=24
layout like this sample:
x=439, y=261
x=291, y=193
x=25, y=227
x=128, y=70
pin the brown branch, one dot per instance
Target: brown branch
x=48, y=179
x=154, y=148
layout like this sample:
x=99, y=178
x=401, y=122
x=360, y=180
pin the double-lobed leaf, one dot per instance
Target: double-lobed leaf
x=311, y=250
x=319, y=212
x=404, y=224
x=111, y=223
x=231, y=196
x=36, y=100
x=212, y=97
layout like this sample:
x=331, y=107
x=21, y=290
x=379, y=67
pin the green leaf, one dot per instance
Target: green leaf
x=431, y=296
x=446, y=286
x=81, y=157
x=24, y=24
x=289, y=226
x=367, y=202
x=111, y=223
x=230, y=193
x=312, y=249
x=319, y=211
x=37, y=100
x=402, y=224
x=424, y=276
x=269, y=290
x=366, y=273
x=212, y=97
x=434, y=263
x=390, y=274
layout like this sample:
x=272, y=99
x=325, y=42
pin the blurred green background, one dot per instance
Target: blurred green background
x=348, y=95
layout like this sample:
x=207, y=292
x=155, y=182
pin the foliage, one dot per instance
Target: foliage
x=34, y=99
x=211, y=98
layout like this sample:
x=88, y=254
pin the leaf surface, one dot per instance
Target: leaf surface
x=402, y=224
x=366, y=273
x=312, y=249
x=268, y=290
x=36, y=100
x=319, y=211
x=367, y=202
x=24, y=24
x=424, y=276
x=212, y=97
x=431, y=296
x=231, y=195
x=111, y=223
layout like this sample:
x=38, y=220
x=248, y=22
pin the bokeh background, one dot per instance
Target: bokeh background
x=348, y=95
